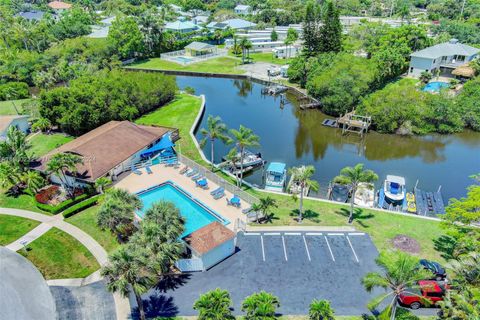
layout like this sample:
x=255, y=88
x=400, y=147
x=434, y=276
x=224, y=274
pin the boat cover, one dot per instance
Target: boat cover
x=276, y=167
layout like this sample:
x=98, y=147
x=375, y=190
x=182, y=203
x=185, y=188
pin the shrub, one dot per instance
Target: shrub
x=14, y=91
x=44, y=196
x=63, y=205
x=81, y=206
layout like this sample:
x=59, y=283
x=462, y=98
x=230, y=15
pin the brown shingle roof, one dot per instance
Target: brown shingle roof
x=59, y=5
x=208, y=237
x=107, y=146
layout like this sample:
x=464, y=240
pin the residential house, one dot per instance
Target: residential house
x=113, y=148
x=443, y=58
x=243, y=10
x=101, y=30
x=59, y=6
x=195, y=49
x=235, y=24
x=21, y=122
x=201, y=19
x=182, y=26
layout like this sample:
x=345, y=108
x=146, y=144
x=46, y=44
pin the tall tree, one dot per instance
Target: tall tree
x=128, y=269
x=125, y=35
x=10, y=175
x=215, y=129
x=260, y=305
x=245, y=45
x=331, y=30
x=244, y=138
x=302, y=175
x=321, y=310
x=60, y=164
x=233, y=159
x=273, y=35
x=400, y=275
x=353, y=176
x=290, y=39
x=214, y=305
x=311, y=29
x=15, y=148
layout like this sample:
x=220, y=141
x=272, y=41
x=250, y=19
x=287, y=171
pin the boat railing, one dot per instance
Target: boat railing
x=218, y=180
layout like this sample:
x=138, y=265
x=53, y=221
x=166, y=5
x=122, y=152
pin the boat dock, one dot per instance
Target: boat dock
x=429, y=203
x=351, y=122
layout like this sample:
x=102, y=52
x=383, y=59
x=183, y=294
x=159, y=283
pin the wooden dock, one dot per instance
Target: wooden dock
x=351, y=122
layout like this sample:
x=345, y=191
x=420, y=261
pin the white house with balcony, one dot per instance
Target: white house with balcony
x=444, y=57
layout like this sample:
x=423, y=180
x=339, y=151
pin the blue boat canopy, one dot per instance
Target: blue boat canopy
x=276, y=167
x=164, y=143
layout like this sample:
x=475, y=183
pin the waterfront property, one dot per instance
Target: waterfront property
x=443, y=58
x=194, y=52
x=435, y=86
x=111, y=149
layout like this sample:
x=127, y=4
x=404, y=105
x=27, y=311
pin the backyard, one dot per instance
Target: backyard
x=8, y=107
x=217, y=65
x=12, y=228
x=58, y=255
x=43, y=143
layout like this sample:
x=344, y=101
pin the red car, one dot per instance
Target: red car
x=430, y=290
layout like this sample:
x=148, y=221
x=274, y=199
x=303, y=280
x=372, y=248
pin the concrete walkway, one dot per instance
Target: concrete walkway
x=29, y=237
x=122, y=305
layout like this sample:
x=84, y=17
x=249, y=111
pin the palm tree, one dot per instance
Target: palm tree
x=216, y=129
x=10, y=175
x=266, y=204
x=102, y=183
x=245, y=45
x=321, y=310
x=60, y=163
x=128, y=269
x=353, y=177
x=117, y=212
x=214, y=305
x=302, y=175
x=233, y=159
x=244, y=138
x=33, y=181
x=260, y=305
x=42, y=125
x=15, y=147
x=400, y=274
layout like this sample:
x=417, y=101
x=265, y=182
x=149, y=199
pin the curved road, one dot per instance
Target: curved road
x=122, y=305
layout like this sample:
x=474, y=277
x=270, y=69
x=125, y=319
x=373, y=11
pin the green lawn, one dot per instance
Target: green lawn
x=12, y=228
x=86, y=220
x=58, y=255
x=267, y=57
x=216, y=65
x=43, y=143
x=23, y=201
x=7, y=108
x=180, y=113
x=381, y=226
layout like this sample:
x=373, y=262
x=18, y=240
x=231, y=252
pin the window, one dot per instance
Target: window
x=435, y=294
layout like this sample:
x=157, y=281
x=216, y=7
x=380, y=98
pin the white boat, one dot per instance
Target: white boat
x=275, y=177
x=365, y=195
x=394, y=188
x=250, y=159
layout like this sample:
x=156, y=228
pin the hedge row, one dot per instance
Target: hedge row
x=81, y=206
x=63, y=205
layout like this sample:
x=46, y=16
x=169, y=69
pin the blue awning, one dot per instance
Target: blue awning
x=164, y=143
x=277, y=167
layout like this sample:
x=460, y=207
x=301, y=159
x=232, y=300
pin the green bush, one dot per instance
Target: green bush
x=14, y=91
x=81, y=206
x=63, y=205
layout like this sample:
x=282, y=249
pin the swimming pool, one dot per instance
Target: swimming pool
x=182, y=59
x=196, y=214
x=435, y=86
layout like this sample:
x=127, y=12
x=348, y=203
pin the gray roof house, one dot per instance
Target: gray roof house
x=235, y=24
x=181, y=26
x=443, y=57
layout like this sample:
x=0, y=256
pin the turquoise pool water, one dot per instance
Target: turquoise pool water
x=435, y=86
x=183, y=59
x=195, y=213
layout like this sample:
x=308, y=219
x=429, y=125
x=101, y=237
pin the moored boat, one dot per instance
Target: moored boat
x=250, y=159
x=365, y=195
x=275, y=177
x=294, y=187
x=392, y=195
x=339, y=192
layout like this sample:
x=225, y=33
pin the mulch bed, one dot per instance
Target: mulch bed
x=405, y=243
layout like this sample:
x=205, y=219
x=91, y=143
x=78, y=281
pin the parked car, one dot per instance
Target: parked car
x=437, y=270
x=428, y=291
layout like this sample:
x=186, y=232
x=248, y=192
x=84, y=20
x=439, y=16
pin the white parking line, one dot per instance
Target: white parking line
x=329, y=249
x=306, y=248
x=284, y=249
x=313, y=233
x=335, y=234
x=357, y=234
x=292, y=233
x=271, y=233
x=252, y=234
x=263, y=248
x=353, y=250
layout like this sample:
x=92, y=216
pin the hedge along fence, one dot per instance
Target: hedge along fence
x=63, y=205
x=81, y=206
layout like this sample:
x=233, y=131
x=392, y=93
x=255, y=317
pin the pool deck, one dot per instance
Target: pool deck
x=135, y=183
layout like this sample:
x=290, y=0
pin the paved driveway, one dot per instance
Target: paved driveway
x=295, y=266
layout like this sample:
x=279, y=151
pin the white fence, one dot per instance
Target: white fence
x=179, y=56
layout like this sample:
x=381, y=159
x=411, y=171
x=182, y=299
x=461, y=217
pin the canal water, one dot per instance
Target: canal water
x=296, y=137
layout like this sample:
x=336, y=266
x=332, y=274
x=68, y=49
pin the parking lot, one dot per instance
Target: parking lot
x=295, y=266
